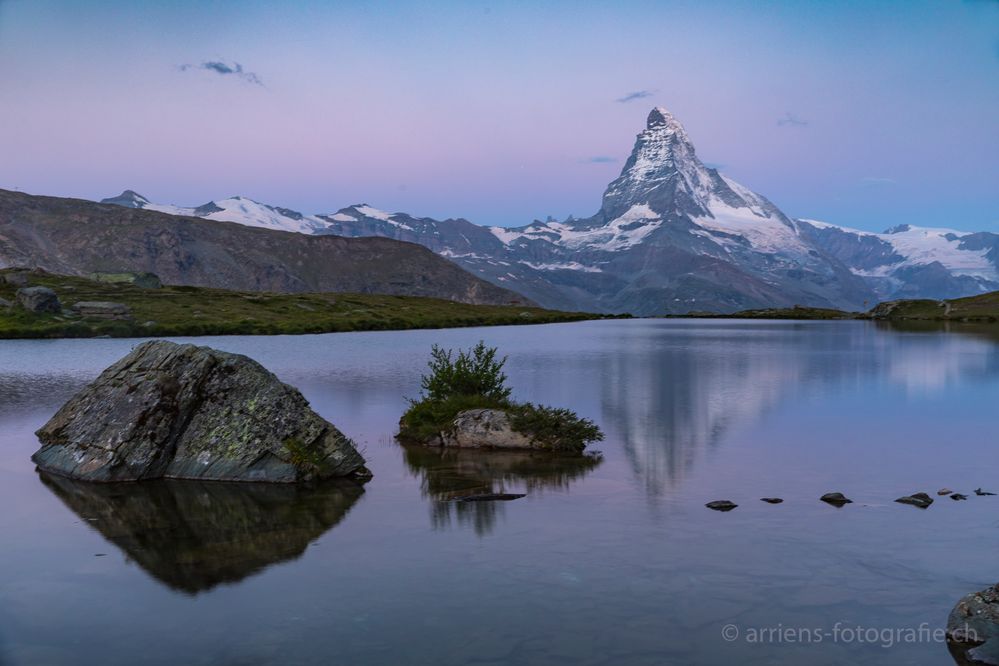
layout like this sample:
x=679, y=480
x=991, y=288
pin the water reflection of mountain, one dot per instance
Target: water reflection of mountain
x=193, y=536
x=669, y=394
x=448, y=474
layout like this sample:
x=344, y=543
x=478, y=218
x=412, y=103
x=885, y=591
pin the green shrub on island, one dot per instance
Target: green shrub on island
x=474, y=380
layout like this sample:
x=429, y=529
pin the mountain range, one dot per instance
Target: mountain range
x=77, y=237
x=672, y=235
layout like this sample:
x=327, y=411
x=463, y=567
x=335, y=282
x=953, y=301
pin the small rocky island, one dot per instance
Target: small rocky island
x=185, y=412
x=465, y=403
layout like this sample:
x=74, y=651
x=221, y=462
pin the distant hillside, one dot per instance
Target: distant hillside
x=173, y=311
x=76, y=237
x=981, y=308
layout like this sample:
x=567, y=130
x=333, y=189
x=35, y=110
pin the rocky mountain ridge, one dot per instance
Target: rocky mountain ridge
x=672, y=236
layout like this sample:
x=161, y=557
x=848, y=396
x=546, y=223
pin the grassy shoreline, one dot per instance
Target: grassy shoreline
x=176, y=311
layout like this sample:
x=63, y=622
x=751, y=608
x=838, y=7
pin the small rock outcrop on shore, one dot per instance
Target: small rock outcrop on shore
x=39, y=300
x=102, y=310
x=180, y=411
x=973, y=628
x=15, y=278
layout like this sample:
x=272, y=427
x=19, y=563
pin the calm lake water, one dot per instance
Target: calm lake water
x=613, y=563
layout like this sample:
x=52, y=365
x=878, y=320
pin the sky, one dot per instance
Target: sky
x=865, y=114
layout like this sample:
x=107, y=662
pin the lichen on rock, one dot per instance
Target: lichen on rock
x=181, y=411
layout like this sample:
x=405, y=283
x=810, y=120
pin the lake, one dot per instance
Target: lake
x=617, y=562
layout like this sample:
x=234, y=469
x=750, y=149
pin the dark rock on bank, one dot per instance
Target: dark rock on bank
x=181, y=411
x=721, y=505
x=921, y=500
x=39, y=300
x=836, y=499
x=973, y=628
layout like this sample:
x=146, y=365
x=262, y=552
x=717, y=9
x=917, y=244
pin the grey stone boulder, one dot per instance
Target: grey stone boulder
x=180, y=411
x=973, y=628
x=102, y=310
x=39, y=300
x=17, y=279
x=485, y=429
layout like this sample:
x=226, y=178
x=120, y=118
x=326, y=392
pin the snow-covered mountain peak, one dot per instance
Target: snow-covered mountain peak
x=662, y=117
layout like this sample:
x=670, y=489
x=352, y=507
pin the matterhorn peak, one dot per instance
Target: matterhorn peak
x=663, y=171
x=661, y=117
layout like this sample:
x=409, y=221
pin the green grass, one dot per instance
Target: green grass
x=983, y=308
x=797, y=312
x=183, y=311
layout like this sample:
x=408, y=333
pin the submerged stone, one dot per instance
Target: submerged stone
x=771, y=500
x=491, y=497
x=721, y=505
x=982, y=493
x=185, y=412
x=958, y=496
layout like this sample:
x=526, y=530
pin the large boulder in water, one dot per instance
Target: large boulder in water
x=185, y=412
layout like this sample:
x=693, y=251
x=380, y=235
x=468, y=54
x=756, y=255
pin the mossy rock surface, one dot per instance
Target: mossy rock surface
x=180, y=411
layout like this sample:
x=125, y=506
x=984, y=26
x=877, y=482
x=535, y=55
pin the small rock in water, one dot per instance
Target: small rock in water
x=982, y=493
x=771, y=500
x=490, y=497
x=944, y=491
x=836, y=499
x=958, y=496
x=921, y=500
x=721, y=505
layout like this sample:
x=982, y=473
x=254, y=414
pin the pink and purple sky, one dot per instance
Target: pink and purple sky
x=867, y=114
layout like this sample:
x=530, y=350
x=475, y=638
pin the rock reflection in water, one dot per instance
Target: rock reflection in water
x=449, y=474
x=193, y=536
